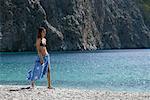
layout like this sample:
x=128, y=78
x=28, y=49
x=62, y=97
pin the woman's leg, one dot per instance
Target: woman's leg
x=48, y=77
x=32, y=84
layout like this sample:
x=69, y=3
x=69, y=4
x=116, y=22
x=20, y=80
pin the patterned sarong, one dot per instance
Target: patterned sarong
x=38, y=71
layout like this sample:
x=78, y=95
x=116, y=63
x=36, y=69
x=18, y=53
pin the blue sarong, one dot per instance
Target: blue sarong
x=39, y=70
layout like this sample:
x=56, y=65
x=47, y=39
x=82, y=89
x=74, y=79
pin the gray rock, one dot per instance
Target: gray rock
x=72, y=24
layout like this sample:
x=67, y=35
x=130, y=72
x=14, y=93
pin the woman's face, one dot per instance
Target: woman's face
x=43, y=33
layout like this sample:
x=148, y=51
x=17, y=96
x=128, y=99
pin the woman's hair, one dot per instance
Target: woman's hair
x=40, y=30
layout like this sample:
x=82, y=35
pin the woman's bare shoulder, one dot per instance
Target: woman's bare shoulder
x=38, y=41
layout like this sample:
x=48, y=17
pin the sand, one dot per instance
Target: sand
x=42, y=93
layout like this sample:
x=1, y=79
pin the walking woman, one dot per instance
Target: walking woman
x=42, y=63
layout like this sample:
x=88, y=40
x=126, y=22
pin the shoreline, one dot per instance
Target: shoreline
x=79, y=51
x=42, y=93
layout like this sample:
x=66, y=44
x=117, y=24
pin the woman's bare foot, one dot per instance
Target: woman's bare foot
x=32, y=85
x=50, y=87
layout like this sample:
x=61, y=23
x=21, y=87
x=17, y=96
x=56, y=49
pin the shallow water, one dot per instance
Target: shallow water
x=121, y=70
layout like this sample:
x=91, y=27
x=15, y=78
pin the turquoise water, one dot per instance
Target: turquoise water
x=123, y=70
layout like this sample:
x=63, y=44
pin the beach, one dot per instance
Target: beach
x=14, y=92
x=112, y=75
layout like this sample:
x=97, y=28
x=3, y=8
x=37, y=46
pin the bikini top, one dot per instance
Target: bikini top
x=41, y=44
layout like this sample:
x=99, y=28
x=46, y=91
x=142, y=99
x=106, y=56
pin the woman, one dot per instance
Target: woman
x=42, y=63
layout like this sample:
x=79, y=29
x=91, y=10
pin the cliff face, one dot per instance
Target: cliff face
x=19, y=22
x=144, y=6
x=72, y=24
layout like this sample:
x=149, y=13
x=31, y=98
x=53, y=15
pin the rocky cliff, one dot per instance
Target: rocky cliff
x=73, y=24
x=144, y=6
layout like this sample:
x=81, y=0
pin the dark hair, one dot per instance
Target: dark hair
x=40, y=30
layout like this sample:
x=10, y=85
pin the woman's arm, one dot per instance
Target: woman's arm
x=38, y=50
x=44, y=41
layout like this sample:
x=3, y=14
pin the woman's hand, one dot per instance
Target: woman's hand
x=44, y=41
x=41, y=61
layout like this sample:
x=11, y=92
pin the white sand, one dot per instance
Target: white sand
x=42, y=93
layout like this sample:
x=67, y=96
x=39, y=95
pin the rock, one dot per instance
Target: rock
x=73, y=24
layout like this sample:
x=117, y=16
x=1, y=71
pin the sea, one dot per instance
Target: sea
x=115, y=70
